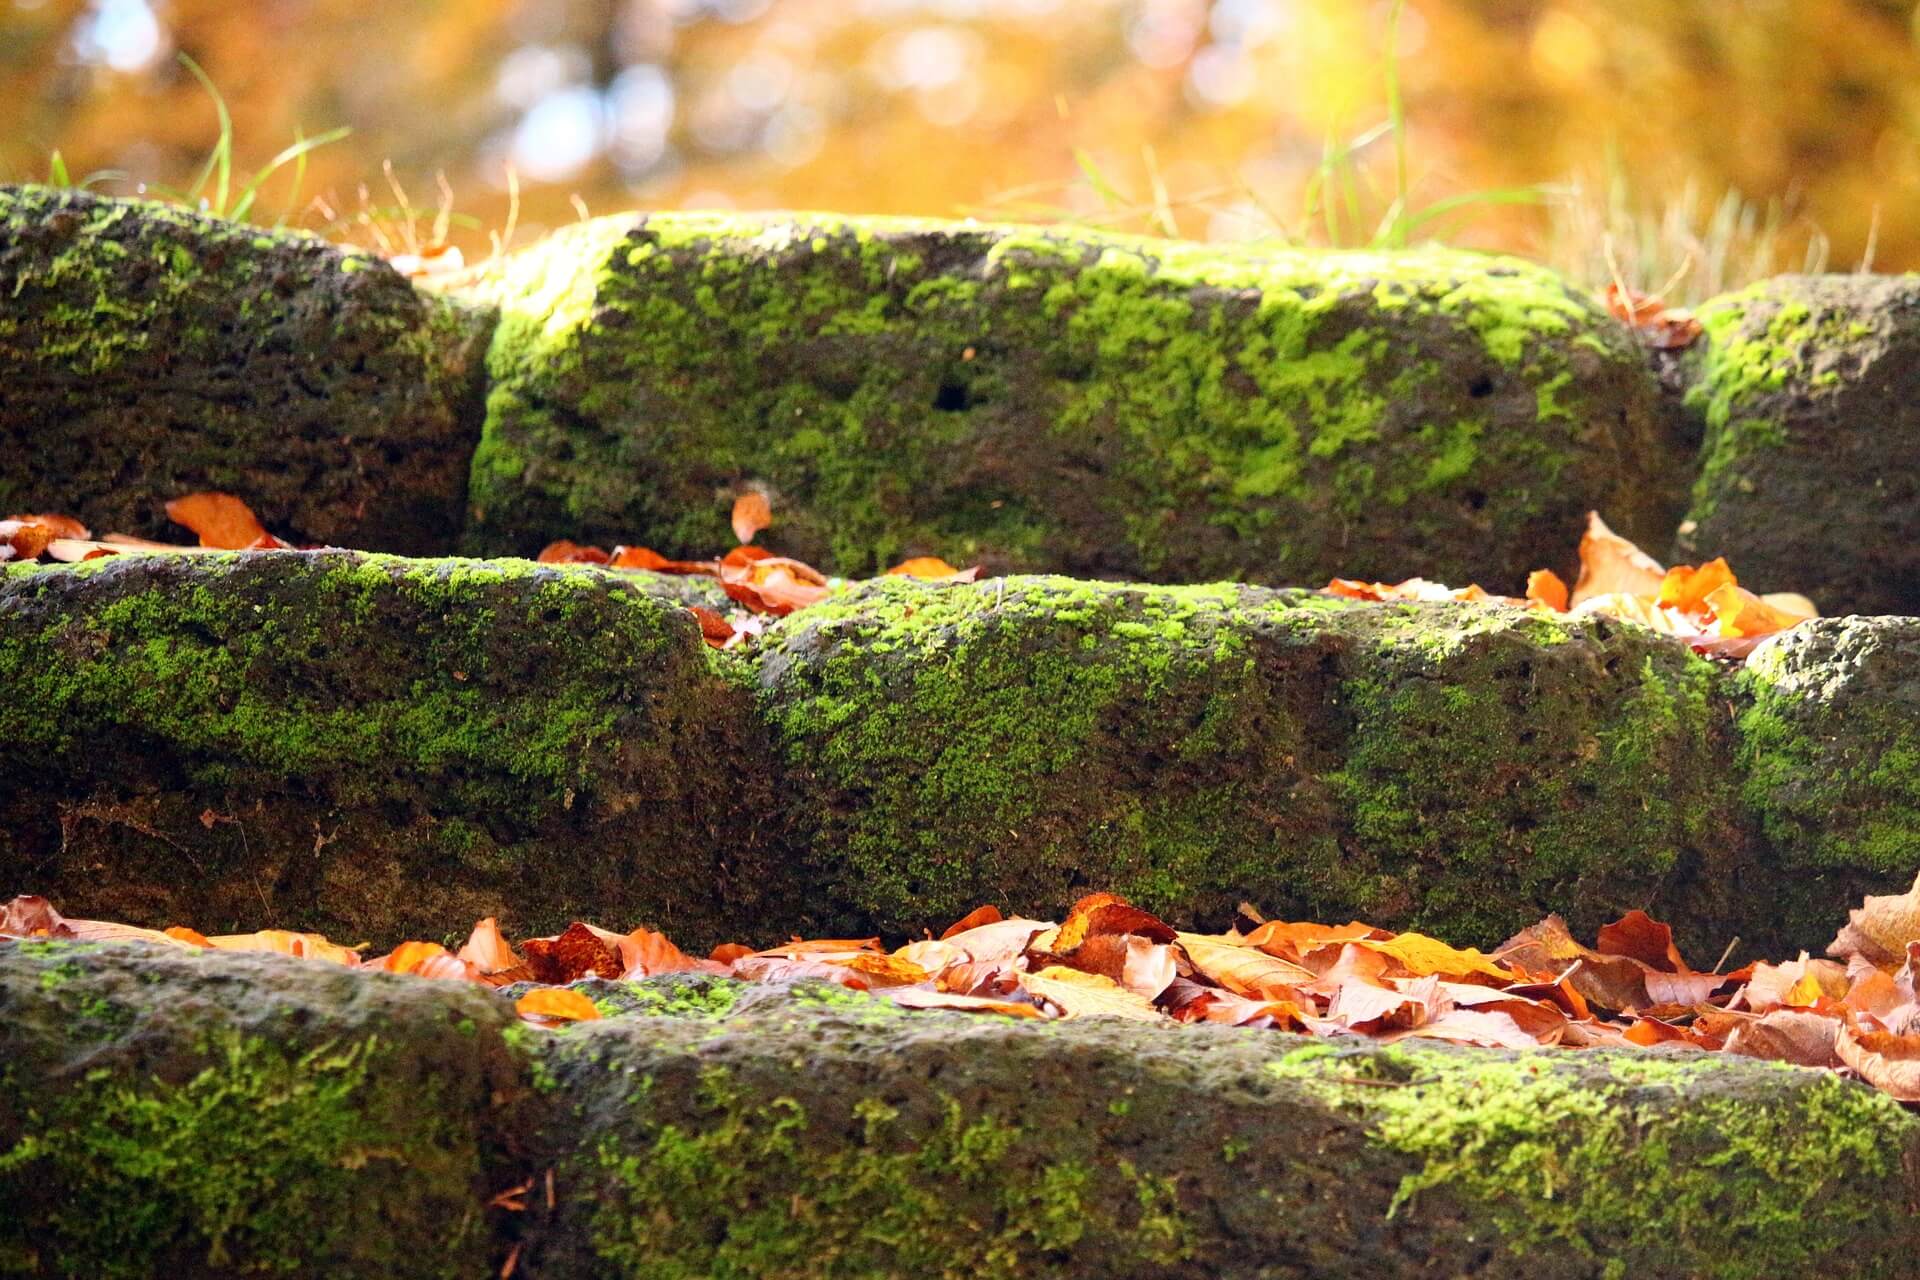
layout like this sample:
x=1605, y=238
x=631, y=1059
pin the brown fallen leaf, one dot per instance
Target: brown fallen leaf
x=564, y=552
x=751, y=513
x=31, y=916
x=1880, y=928
x=578, y=952
x=556, y=1004
x=306, y=946
x=1087, y=995
x=933, y=569
x=1611, y=565
x=1888, y=1062
x=221, y=520
x=1242, y=969
x=922, y=998
x=1798, y=1036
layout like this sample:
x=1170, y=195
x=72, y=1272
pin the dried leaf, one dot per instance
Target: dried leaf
x=31, y=916
x=61, y=526
x=922, y=998
x=751, y=513
x=1611, y=565
x=1880, y=928
x=973, y=920
x=1888, y=1062
x=1545, y=587
x=1087, y=995
x=645, y=954
x=1244, y=970
x=221, y=520
x=557, y=1004
x=1420, y=955
x=1640, y=936
x=306, y=946
x=1787, y=1035
x=564, y=552
x=933, y=569
x=578, y=952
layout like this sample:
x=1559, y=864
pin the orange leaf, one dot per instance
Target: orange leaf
x=644, y=953
x=62, y=526
x=1645, y=939
x=714, y=629
x=1742, y=613
x=1244, y=970
x=1087, y=995
x=973, y=920
x=561, y=1003
x=1610, y=565
x=933, y=569
x=409, y=956
x=921, y=998
x=220, y=519
x=1545, y=587
x=1420, y=955
x=310, y=946
x=564, y=552
x=1888, y=1062
x=751, y=514
x=1686, y=588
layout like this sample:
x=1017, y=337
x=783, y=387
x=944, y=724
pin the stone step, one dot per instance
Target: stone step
x=185, y=1114
x=380, y=748
x=150, y=352
x=1057, y=399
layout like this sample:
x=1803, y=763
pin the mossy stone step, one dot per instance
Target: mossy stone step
x=1458, y=769
x=182, y=1114
x=1809, y=476
x=372, y=746
x=149, y=352
x=1058, y=400
x=382, y=748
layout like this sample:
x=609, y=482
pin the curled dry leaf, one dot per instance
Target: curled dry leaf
x=223, y=521
x=751, y=513
x=305, y=946
x=1243, y=969
x=1611, y=565
x=579, y=952
x=1087, y=995
x=31, y=916
x=933, y=569
x=564, y=552
x=556, y=1004
x=1888, y=1062
x=1880, y=928
x=921, y=998
x=1545, y=587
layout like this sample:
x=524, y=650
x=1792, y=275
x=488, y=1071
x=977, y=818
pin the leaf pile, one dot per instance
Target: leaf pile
x=1706, y=607
x=761, y=583
x=1856, y=1012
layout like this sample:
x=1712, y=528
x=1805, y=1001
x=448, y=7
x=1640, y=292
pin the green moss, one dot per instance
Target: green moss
x=261, y=1162
x=249, y=678
x=736, y=1188
x=1225, y=389
x=1643, y=1160
x=1758, y=343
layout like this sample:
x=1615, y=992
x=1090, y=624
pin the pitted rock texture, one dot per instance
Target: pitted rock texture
x=373, y=747
x=150, y=352
x=181, y=1114
x=1463, y=770
x=1059, y=400
x=1809, y=476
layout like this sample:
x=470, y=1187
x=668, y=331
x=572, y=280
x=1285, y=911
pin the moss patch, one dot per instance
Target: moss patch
x=1052, y=399
x=1736, y=1184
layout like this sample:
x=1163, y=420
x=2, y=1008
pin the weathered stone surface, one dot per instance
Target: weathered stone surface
x=1810, y=470
x=1459, y=769
x=149, y=352
x=373, y=747
x=172, y=1113
x=179, y=1115
x=1059, y=400
x=1829, y=747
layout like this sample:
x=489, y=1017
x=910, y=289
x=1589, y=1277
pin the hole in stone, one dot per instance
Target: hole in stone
x=1476, y=499
x=1481, y=387
x=953, y=397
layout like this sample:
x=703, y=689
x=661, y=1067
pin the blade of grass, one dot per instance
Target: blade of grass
x=298, y=151
x=219, y=165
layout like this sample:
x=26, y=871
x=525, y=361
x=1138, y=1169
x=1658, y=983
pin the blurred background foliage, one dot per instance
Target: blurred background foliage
x=1738, y=136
